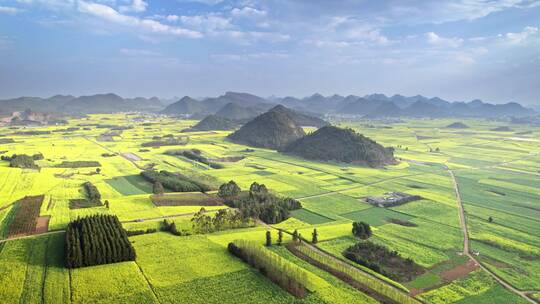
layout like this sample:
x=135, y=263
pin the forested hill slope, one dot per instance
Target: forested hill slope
x=274, y=130
x=214, y=122
x=331, y=143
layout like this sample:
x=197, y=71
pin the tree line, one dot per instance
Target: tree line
x=287, y=275
x=174, y=181
x=96, y=240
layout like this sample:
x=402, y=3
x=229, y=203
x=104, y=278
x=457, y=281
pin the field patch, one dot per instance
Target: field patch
x=309, y=217
x=263, y=173
x=26, y=216
x=186, y=199
x=130, y=185
x=376, y=216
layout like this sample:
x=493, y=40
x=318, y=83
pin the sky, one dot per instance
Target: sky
x=458, y=50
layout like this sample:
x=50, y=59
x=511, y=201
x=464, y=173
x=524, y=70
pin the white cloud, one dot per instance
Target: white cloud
x=250, y=36
x=207, y=2
x=248, y=12
x=464, y=58
x=172, y=18
x=209, y=22
x=328, y=43
x=366, y=34
x=137, y=6
x=147, y=25
x=439, y=41
x=9, y=10
x=51, y=4
x=250, y=56
x=517, y=38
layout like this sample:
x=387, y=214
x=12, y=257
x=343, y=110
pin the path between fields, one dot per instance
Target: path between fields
x=152, y=219
x=32, y=236
x=112, y=151
x=358, y=186
x=466, y=249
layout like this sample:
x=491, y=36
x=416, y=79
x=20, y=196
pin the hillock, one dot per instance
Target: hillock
x=213, y=122
x=331, y=143
x=502, y=129
x=273, y=130
x=457, y=125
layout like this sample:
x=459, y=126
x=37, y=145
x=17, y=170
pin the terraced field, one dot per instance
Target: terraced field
x=497, y=174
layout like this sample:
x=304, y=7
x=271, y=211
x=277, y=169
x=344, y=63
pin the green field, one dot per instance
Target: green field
x=498, y=177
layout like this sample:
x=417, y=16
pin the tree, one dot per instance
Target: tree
x=228, y=190
x=268, y=238
x=295, y=236
x=106, y=204
x=362, y=230
x=315, y=236
x=280, y=237
x=490, y=219
x=158, y=188
x=98, y=170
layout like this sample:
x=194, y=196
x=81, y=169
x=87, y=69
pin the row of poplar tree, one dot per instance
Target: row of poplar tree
x=95, y=240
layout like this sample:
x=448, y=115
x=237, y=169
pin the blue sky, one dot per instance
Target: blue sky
x=457, y=50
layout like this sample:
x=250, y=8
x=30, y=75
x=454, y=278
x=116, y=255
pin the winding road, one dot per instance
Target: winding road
x=466, y=247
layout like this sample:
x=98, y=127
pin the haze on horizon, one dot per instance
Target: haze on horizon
x=456, y=50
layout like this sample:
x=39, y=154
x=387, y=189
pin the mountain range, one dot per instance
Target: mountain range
x=242, y=107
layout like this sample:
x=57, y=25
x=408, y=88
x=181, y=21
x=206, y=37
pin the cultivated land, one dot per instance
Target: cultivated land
x=497, y=176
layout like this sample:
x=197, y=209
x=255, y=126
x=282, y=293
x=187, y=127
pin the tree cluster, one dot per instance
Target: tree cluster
x=167, y=142
x=260, y=203
x=362, y=230
x=229, y=190
x=175, y=181
x=92, y=192
x=141, y=232
x=171, y=227
x=79, y=164
x=384, y=261
x=22, y=160
x=222, y=220
x=195, y=155
x=158, y=188
x=97, y=240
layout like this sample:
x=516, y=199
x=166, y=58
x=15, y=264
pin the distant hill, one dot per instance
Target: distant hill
x=502, y=129
x=457, y=125
x=331, y=143
x=213, y=122
x=300, y=118
x=273, y=129
x=237, y=112
x=244, y=106
x=185, y=106
x=99, y=103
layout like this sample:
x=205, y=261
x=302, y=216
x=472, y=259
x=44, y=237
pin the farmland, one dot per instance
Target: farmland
x=497, y=176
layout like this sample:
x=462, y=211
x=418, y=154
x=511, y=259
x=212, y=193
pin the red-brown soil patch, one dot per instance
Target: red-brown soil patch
x=459, y=271
x=42, y=225
x=26, y=215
